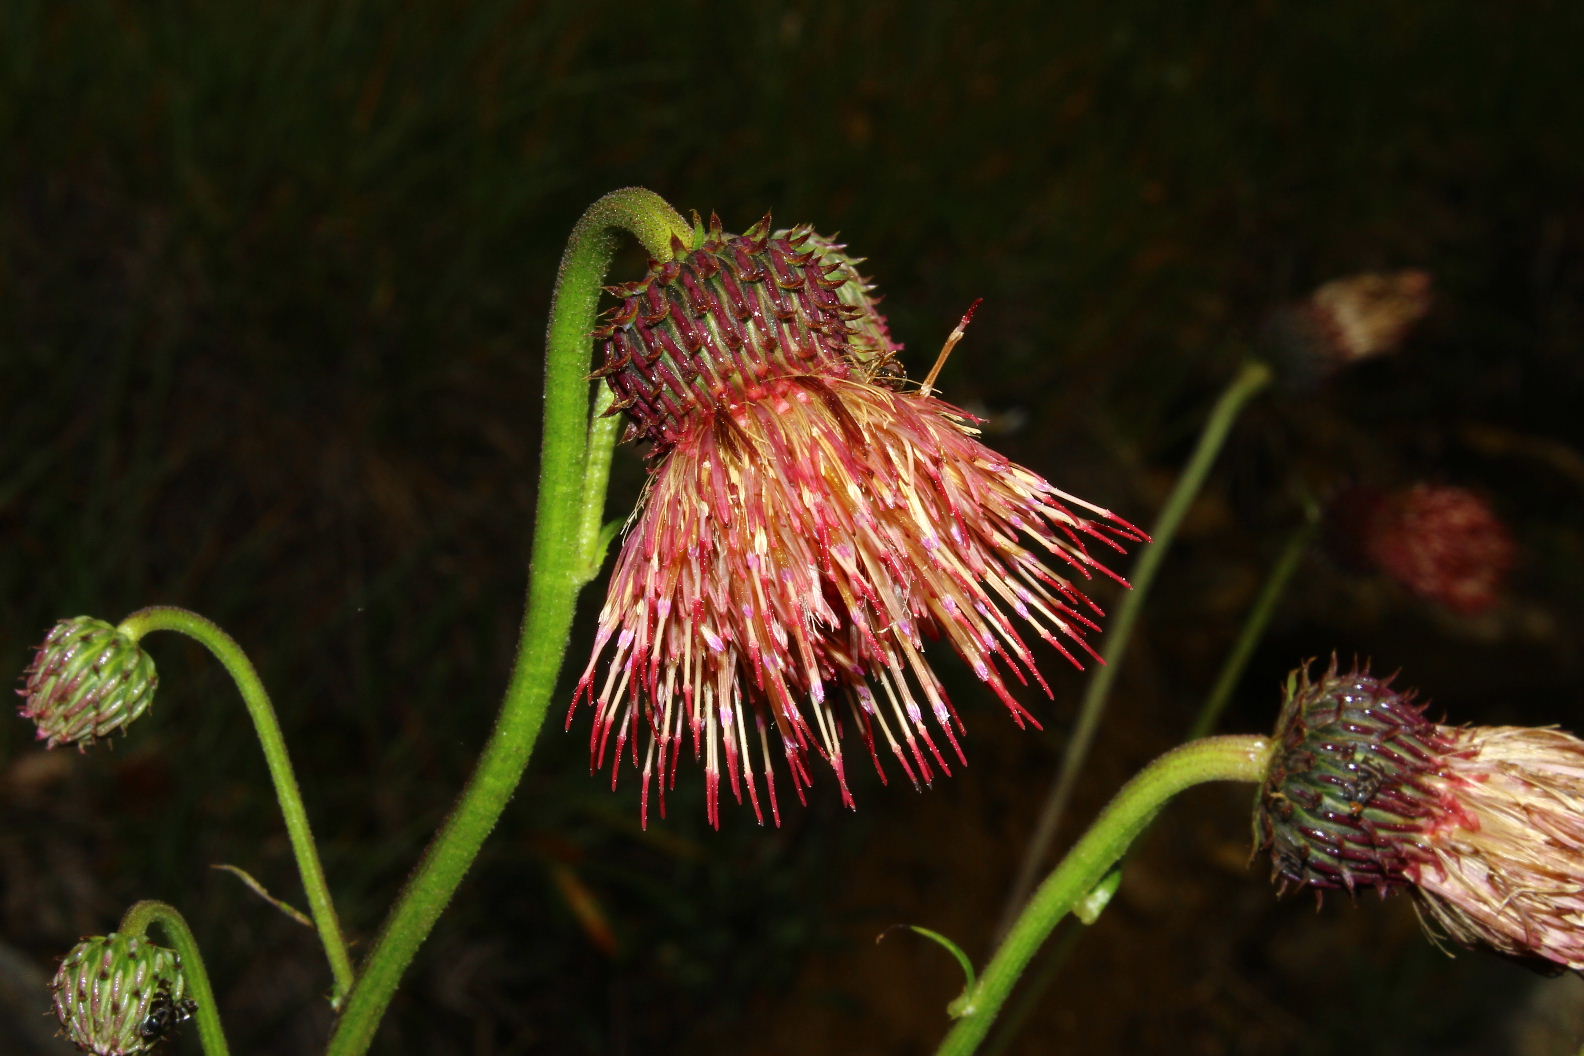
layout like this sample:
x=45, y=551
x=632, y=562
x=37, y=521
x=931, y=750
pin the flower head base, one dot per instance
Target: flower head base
x=116, y=995
x=1443, y=543
x=1349, y=776
x=1484, y=824
x=87, y=680
x=1344, y=321
x=809, y=525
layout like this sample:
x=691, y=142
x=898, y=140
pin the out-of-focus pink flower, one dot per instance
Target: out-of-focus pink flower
x=1484, y=824
x=1443, y=543
x=810, y=524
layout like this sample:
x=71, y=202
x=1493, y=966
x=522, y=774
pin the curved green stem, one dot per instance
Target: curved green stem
x=1215, y=703
x=1249, y=380
x=559, y=567
x=136, y=923
x=240, y=668
x=601, y=442
x=1253, y=628
x=1240, y=758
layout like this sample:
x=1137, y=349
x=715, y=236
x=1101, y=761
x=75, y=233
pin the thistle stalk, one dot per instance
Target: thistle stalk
x=225, y=649
x=1233, y=758
x=1253, y=377
x=574, y=463
x=136, y=923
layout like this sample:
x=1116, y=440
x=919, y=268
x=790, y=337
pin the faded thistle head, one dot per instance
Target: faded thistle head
x=1342, y=322
x=812, y=521
x=1484, y=825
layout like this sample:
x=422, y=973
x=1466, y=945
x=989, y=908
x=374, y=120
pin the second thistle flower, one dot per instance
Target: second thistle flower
x=1484, y=824
x=811, y=521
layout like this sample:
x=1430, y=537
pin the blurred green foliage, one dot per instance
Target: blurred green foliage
x=272, y=284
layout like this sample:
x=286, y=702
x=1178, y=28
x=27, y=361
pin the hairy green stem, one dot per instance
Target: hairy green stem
x=601, y=442
x=240, y=668
x=136, y=923
x=559, y=566
x=1254, y=625
x=1247, y=383
x=1241, y=758
x=1215, y=703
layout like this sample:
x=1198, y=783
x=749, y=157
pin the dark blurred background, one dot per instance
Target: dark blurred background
x=273, y=283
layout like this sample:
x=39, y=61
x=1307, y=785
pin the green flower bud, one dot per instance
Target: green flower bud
x=116, y=995
x=87, y=680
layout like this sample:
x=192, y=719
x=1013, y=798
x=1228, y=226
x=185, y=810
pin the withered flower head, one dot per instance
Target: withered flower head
x=811, y=521
x=1345, y=320
x=1485, y=825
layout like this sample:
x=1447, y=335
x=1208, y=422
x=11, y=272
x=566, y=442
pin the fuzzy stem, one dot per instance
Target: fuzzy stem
x=1231, y=673
x=1247, y=383
x=1241, y=758
x=136, y=923
x=601, y=442
x=225, y=649
x=1253, y=629
x=559, y=566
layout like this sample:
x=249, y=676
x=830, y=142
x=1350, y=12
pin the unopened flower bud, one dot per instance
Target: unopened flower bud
x=1485, y=825
x=87, y=680
x=116, y=995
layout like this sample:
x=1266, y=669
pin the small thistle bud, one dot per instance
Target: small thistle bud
x=1344, y=321
x=1484, y=825
x=1443, y=543
x=116, y=995
x=87, y=680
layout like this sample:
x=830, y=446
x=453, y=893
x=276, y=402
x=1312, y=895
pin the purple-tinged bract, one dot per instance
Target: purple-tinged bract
x=1483, y=824
x=87, y=680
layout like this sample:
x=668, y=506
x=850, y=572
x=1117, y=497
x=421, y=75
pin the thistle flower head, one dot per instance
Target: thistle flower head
x=809, y=525
x=1349, y=776
x=1443, y=543
x=1485, y=825
x=1345, y=320
x=86, y=681
x=118, y=995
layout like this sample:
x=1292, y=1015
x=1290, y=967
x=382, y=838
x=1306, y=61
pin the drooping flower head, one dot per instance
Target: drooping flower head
x=810, y=524
x=87, y=680
x=1441, y=542
x=1344, y=321
x=120, y=995
x=1484, y=824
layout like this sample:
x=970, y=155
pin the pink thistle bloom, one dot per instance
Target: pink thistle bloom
x=1443, y=543
x=810, y=524
x=1484, y=824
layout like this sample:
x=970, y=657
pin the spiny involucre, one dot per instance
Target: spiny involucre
x=1484, y=824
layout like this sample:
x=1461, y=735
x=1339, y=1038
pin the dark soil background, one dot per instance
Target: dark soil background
x=273, y=283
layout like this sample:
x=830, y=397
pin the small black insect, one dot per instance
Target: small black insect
x=165, y=1015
